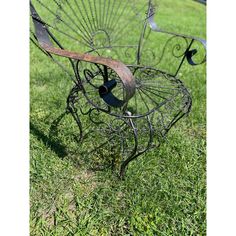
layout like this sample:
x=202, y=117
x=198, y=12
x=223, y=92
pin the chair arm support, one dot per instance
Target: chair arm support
x=189, y=53
x=121, y=69
x=44, y=37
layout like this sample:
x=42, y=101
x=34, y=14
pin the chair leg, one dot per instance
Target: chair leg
x=70, y=108
x=124, y=165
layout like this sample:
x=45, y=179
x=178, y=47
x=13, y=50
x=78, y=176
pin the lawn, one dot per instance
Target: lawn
x=164, y=192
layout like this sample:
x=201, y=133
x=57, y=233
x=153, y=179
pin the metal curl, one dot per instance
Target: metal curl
x=177, y=48
x=151, y=55
x=104, y=42
x=88, y=75
x=174, y=51
x=191, y=53
x=129, y=54
x=152, y=102
x=96, y=115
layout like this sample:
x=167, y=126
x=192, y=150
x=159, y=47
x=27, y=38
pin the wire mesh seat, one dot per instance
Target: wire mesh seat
x=126, y=95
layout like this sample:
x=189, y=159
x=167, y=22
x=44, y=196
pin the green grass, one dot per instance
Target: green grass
x=164, y=192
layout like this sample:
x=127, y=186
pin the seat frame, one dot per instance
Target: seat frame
x=48, y=44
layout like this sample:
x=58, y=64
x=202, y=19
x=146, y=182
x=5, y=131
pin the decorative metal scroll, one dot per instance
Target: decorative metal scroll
x=121, y=101
x=177, y=46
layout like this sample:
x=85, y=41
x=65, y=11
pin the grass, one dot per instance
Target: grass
x=164, y=192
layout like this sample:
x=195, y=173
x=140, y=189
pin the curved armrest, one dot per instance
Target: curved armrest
x=189, y=53
x=154, y=27
x=44, y=37
x=202, y=41
x=121, y=69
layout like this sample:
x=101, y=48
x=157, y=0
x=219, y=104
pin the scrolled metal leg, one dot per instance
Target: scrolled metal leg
x=71, y=109
x=124, y=165
x=141, y=146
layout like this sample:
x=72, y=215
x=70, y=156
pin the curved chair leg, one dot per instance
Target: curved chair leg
x=124, y=165
x=136, y=153
x=71, y=109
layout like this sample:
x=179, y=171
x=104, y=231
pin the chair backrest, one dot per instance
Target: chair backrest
x=99, y=26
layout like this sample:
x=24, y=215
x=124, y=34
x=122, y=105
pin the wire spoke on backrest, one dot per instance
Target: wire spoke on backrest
x=94, y=23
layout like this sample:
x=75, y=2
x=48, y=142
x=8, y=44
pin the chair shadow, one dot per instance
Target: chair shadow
x=55, y=145
x=53, y=141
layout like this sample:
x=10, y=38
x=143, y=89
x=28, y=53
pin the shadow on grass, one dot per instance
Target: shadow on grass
x=54, y=145
x=78, y=158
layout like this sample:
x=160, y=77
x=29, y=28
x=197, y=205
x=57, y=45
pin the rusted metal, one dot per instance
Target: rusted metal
x=122, y=70
x=129, y=107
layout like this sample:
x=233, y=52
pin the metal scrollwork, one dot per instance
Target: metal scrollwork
x=100, y=38
x=178, y=49
x=190, y=54
x=123, y=102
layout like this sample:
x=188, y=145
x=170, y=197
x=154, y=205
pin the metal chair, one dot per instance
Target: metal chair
x=126, y=95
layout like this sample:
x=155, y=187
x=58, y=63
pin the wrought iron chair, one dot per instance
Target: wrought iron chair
x=126, y=96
